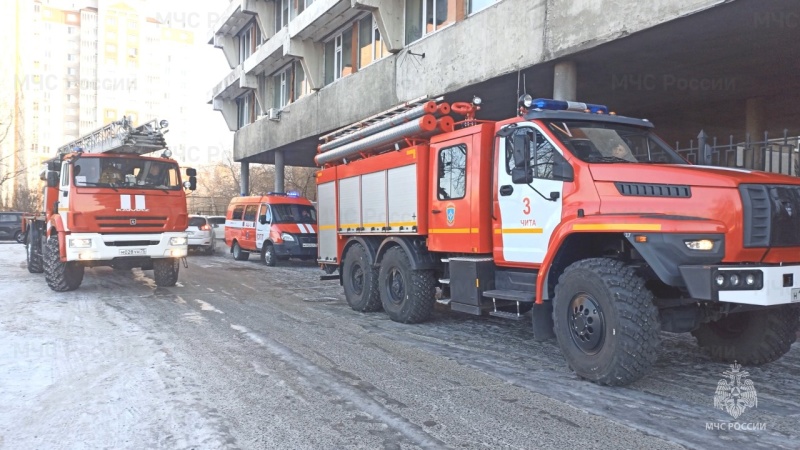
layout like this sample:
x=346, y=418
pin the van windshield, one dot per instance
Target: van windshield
x=285, y=213
x=125, y=172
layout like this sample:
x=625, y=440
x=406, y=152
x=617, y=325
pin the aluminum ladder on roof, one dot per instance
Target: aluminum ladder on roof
x=120, y=137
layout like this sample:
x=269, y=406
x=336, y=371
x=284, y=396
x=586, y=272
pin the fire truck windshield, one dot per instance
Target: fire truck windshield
x=602, y=142
x=287, y=213
x=131, y=173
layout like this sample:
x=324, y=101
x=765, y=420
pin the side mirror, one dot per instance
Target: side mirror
x=191, y=172
x=521, y=149
x=191, y=184
x=522, y=175
x=52, y=179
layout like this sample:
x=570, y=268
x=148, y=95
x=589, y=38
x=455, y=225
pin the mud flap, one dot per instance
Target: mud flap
x=543, y=321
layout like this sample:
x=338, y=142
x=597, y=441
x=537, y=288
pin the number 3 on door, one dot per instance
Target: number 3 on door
x=527, y=209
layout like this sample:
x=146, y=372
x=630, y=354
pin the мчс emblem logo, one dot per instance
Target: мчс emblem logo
x=736, y=393
x=451, y=214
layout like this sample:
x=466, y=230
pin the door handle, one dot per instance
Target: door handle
x=436, y=211
x=506, y=190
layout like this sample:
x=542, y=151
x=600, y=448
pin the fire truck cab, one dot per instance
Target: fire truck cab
x=585, y=217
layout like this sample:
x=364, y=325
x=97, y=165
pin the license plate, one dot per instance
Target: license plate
x=190, y=233
x=309, y=245
x=795, y=295
x=132, y=251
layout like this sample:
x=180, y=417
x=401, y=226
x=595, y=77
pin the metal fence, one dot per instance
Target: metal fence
x=772, y=154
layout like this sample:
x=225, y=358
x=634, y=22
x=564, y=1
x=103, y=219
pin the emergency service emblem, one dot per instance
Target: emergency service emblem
x=736, y=393
x=451, y=214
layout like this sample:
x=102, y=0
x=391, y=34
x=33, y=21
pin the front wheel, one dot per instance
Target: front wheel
x=61, y=276
x=407, y=295
x=19, y=237
x=268, y=256
x=238, y=253
x=605, y=321
x=165, y=271
x=751, y=337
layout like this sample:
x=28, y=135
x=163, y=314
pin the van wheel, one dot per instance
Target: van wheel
x=360, y=281
x=61, y=276
x=268, y=255
x=605, y=321
x=407, y=295
x=238, y=253
x=165, y=271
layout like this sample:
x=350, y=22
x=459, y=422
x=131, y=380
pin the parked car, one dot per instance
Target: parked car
x=11, y=225
x=201, y=234
x=218, y=224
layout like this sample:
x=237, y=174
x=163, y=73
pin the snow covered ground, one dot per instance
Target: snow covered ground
x=239, y=355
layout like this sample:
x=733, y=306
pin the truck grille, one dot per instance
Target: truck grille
x=771, y=215
x=653, y=190
x=307, y=238
x=157, y=222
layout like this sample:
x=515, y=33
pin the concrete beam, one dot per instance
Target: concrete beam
x=280, y=169
x=230, y=48
x=229, y=112
x=565, y=81
x=244, y=180
x=310, y=54
x=265, y=15
x=389, y=15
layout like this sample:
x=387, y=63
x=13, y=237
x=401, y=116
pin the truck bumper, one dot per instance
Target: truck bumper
x=295, y=250
x=772, y=285
x=108, y=247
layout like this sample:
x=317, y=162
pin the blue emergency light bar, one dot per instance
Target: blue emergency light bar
x=560, y=105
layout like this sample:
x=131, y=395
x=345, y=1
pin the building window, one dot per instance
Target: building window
x=289, y=85
x=281, y=14
x=71, y=57
x=249, y=38
x=281, y=83
x=339, y=56
x=246, y=107
x=370, y=46
x=477, y=5
x=426, y=16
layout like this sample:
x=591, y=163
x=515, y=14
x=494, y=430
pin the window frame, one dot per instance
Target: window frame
x=439, y=187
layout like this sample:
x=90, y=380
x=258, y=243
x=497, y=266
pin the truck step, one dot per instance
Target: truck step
x=506, y=315
x=443, y=301
x=514, y=296
x=444, y=280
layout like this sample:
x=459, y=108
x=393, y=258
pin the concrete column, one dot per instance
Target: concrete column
x=755, y=125
x=565, y=81
x=279, y=169
x=244, y=180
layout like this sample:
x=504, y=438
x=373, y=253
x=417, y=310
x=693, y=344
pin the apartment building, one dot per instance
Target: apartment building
x=302, y=68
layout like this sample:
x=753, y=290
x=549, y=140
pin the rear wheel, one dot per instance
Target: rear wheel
x=61, y=276
x=34, y=252
x=238, y=253
x=268, y=255
x=360, y=281
x=605, y=321
x=752, y=337
x=407, y=295
x=18, y=236
x=165, y=271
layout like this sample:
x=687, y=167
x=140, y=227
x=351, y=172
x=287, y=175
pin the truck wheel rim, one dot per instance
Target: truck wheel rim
x=357, y=279
x=586, y=322
x=396, y=286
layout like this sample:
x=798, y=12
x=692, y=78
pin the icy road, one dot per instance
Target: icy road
x=239, y=355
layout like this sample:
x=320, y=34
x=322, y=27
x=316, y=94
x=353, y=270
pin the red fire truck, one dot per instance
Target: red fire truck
x=106, y=204
x=583, y=216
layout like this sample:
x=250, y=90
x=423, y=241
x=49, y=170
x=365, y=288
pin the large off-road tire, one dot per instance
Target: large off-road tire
x=268, y=256
x=751, y=337
x=61, y=276
x=238, y=253
x=408, y=296
x=33, y=249
x=360, y=281
x=605, y=321
x=165, y=271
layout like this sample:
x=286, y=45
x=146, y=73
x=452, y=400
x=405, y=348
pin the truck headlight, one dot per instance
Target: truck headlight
x=739, y=280
x=700, y=244
x=287, y=237
x=80, y=243
x=181, y=240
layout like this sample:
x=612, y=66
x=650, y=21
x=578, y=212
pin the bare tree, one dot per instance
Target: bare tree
x=8, y=170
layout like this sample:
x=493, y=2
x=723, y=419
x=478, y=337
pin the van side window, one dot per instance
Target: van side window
x=250, y=213
x=237, y=213
x=267, y=213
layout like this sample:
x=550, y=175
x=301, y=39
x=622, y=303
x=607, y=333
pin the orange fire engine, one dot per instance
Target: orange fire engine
x=583, y=216
x=106, y=204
